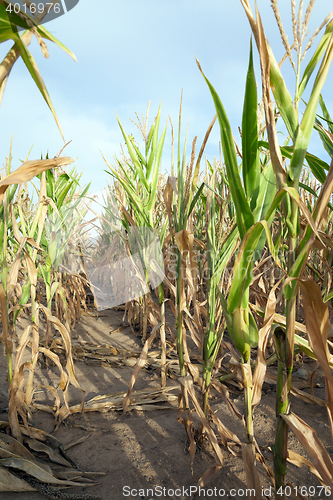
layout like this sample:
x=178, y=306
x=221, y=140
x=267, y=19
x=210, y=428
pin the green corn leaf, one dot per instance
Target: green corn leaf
x=226, y=314
x=267, y=191
x=140, y=156
x=37, y=77
x=62, y=181
x=131, y=193
x=50, y=184
x=226, y=252
x=158, y=157
x=129, y=180
x=311, y=191
x=25, y=295
x=328, y=297
x=251, y=163
x=163, y=231
x=149, y=138
x=45, y=272
x=327, y=142
x=63, y=194
x=153, y=144
x=282, y=97
x=9, y=22
x=211, y=283
x=329, y=122
x=134, y=157
x=306, y=127
x=8, y=30
x=195, y=199
x=316, y=165
x=315, y=59
x=326, y=114
x=242, y=277
x=48, y=36
x=243, y=211
x=240, y=334
x=253, y=331
x=244, y=260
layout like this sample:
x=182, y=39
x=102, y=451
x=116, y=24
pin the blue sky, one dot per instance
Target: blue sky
x=129, y=53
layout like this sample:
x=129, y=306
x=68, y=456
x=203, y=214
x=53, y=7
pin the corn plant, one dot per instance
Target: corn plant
x=251, y=203
x=142, y=194
x=9, y=278
x=64, y=215
x=9, y=22
x=254, y=217
x=218, y=256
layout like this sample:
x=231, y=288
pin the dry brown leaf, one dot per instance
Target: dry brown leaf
x=33, y=362
x=260, y=368
x=252, y=476
x=10, y=446
x=324, y=197
x=225, y=396
x=79, y=441
x=299, y=461
x=28, y=170
x=264, y=55
x=4, y=319
x=140, y=363
x=64, y=379
x=107, y=402
x=187, y=382
x=223, y=431
x=312, y=445
x=68, y=345
x=170, y=188
x=16, y=394
x=298, y=393
x=309, y=398
x=36, y=445
x=208, y=474
x=38, y=472
x=318, y=325
x=9, y=482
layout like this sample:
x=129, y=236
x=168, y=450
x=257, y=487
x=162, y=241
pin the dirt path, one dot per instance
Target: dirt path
x=143, y=454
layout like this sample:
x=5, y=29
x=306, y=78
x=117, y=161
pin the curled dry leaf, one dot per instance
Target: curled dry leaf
x=260, y=368
x=28, y=170
x=312, y=445
x=318, y=325
x=68, y=346
x=144, y=398
x=252, y=476
x=9, y=482
x=187, y=382
x=140, y=364
x=299, y=461
x=170, y=188
x=33, y=474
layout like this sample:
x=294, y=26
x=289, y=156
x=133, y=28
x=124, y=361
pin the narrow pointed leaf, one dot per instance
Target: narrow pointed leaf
x=315, y=59
x=244, y=214
x=251, y=164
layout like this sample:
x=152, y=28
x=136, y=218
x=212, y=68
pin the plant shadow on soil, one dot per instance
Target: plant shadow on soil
x=142, y=450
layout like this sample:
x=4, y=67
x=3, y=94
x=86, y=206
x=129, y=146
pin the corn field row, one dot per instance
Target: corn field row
x=239, y=249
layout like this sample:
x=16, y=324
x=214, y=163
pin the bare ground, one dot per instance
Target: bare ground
x=143, y=454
